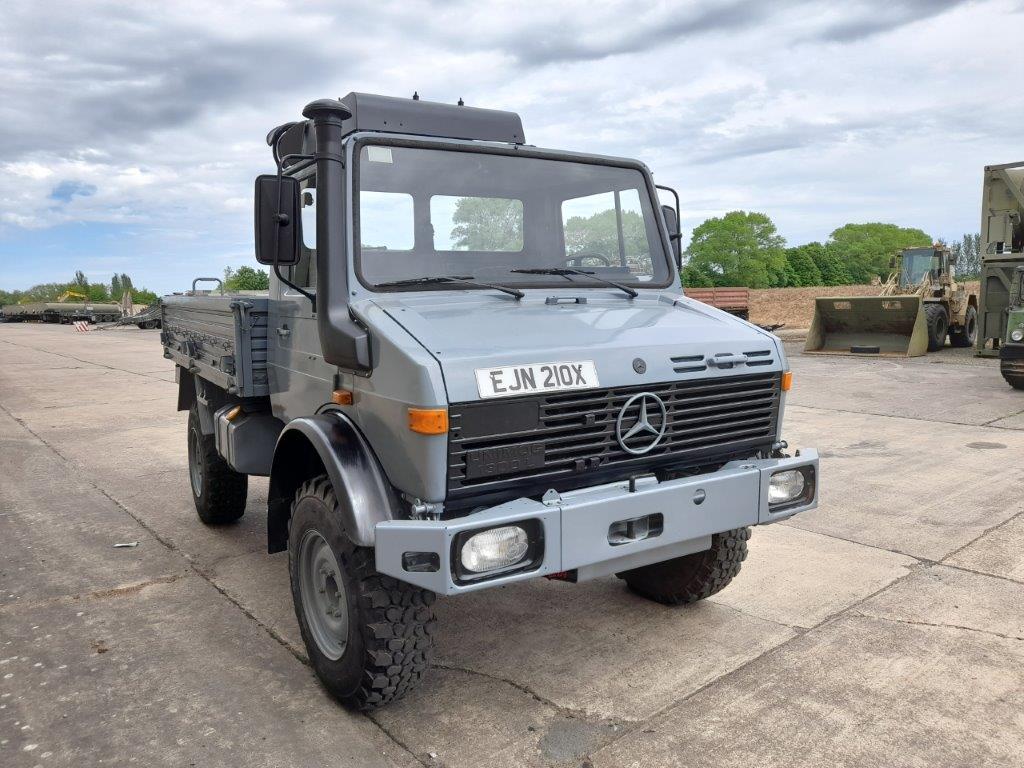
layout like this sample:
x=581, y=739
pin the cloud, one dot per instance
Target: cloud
x=145, y=123
x=870, y=18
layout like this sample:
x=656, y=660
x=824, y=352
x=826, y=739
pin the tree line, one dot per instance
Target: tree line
x=79, y=286
x=241, y=279
x=745, y=248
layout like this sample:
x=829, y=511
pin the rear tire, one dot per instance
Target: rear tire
x=967, y=334
x=218, y=491
x=369, y=637
x=938, y=326
x=690, y=578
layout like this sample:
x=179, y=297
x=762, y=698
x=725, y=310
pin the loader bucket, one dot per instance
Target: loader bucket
x=894, y=326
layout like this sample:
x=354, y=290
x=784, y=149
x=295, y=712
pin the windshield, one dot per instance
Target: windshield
x=430, y=212
x=918, y=263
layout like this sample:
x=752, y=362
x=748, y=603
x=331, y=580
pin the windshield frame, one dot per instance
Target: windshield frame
x=582, y=282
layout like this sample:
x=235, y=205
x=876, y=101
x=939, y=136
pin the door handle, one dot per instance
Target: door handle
x=284, y=332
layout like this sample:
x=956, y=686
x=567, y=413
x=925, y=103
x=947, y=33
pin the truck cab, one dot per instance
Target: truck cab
x=475, y=366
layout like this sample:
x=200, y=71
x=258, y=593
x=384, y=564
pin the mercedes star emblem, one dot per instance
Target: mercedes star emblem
x=649, y=420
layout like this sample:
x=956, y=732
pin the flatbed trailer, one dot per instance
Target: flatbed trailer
x=734, y=300
x=61, y=312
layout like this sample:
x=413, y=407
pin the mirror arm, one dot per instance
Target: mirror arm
x=676, y=236
x=281, y=220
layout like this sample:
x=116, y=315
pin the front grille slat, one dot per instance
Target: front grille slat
x=710, y=417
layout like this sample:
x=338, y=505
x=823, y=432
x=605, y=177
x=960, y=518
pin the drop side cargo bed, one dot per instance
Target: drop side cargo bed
x=222, y=339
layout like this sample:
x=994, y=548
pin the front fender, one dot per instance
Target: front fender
x=328, y=443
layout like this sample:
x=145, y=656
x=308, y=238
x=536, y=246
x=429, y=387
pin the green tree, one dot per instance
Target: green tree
x=81, y=283
x=739, y=248
x=865, y=249
x=802, y=269
x=11, y=297
x=694, y=278
x=832, y=270
x=968, y=256
x=245, y=279
x=487, y=224
x=115, y=287
x=97, y=292
x=143, y=296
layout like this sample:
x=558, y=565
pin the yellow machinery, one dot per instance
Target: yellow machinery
x=919, y=305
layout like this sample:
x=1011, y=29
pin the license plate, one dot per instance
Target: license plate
x=512, y=380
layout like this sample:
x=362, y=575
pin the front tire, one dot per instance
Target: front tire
x=694, y=577
x=218, y=491
x=369, y=637
x=967, y=334
x=938, y=326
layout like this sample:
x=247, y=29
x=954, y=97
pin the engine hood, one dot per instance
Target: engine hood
x=466, y=331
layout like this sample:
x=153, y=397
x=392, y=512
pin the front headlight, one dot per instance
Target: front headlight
x=1017, y=334
x=786, y=486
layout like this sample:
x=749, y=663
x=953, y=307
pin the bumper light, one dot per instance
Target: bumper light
x=494, y=548
x=1017, y=334
x=786, y=486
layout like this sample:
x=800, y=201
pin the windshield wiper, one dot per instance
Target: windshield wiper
x=566, y=271
x=460, y=279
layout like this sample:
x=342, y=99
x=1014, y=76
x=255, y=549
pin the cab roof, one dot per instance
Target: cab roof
x=416, y=117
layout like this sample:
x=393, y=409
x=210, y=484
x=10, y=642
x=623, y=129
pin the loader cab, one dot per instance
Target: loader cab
x=919, y=264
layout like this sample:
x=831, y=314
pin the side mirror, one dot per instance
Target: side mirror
x=278, y=221
x=892, y=262
x=675, y=237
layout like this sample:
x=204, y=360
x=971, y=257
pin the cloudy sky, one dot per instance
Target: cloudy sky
x=130, y=132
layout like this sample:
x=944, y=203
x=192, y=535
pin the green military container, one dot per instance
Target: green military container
x=1002, y=250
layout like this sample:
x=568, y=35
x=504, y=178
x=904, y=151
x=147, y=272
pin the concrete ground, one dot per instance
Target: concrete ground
x=885, y=628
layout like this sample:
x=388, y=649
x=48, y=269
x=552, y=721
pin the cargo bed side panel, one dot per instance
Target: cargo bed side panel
x=222, y=339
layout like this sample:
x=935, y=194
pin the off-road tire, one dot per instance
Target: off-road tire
x=1013, y=372
x=938, y=326
x=967, y=334
x=690, y=578
x=391, y=624
x=221, y=491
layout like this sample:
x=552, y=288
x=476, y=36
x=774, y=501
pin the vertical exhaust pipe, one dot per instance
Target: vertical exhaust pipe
x=344, y=342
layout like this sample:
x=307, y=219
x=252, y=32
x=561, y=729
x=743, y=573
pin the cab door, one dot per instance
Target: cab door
x=300, y=380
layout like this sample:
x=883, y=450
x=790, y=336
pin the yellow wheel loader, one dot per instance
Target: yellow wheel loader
x=916, y=309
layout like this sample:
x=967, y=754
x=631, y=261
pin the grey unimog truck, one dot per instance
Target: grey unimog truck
x=475, y=366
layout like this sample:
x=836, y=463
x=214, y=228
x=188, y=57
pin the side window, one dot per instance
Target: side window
x=386, y=221
x=476, y=223
x=607, y=229
x=304, y=273
x=638, y=251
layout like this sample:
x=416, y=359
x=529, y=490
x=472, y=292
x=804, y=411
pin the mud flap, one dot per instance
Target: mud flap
x=893, y=326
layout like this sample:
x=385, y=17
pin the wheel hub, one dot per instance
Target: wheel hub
x=195, y=471
x=324, y=600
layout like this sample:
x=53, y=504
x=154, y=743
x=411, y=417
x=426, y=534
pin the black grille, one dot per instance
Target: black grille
x=572, y=434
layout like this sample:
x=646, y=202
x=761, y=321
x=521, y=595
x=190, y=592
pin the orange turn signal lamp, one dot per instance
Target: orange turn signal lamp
x=787, y=381
x=341, y=397
x=428, y=421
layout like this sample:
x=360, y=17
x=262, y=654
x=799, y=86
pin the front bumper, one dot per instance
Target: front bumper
x=1011, y=350
x=576, y=527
